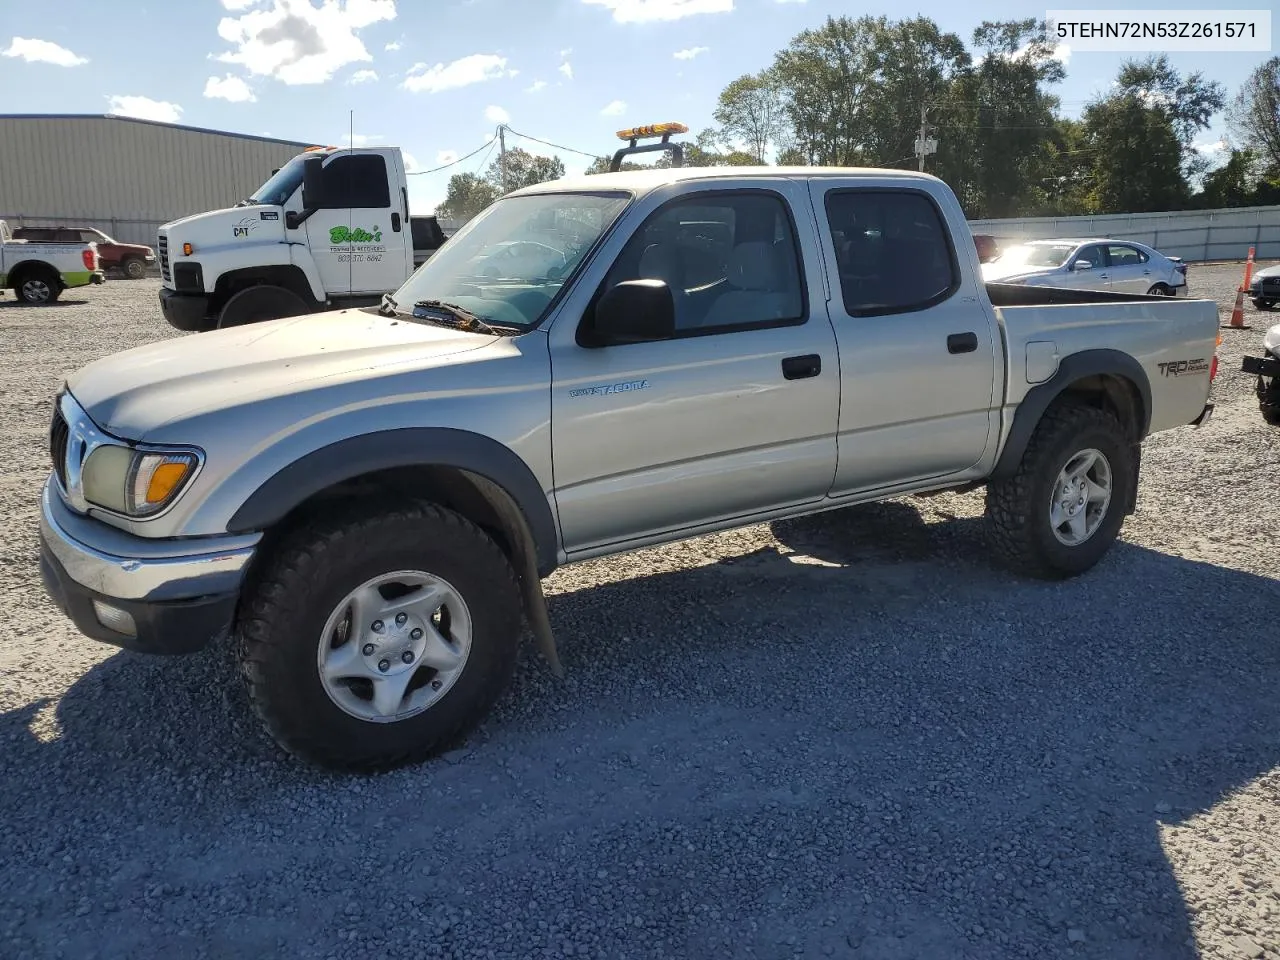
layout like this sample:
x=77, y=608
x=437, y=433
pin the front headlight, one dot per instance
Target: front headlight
x=136, y=483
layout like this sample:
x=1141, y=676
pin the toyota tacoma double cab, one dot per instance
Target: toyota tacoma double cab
x=369, y=499
x=38, y=273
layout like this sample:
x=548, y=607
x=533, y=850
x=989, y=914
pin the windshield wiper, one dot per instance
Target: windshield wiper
x=466, y=319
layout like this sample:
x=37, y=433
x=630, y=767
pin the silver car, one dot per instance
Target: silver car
x=1123, y=266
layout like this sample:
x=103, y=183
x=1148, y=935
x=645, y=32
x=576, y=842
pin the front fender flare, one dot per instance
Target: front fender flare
x=406, y=447
x=1071, y=369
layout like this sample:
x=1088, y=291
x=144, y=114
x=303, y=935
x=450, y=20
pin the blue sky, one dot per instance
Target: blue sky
x=436, y=77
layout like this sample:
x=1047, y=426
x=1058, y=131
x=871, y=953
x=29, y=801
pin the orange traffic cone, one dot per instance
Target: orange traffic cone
x=1237, y=314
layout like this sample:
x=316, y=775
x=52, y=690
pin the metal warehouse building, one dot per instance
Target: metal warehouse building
x=125, y=176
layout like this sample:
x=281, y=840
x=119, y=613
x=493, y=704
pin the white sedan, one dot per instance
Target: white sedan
x=1122, y=266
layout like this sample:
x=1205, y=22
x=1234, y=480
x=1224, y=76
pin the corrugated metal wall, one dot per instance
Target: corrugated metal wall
x=125, y=176
x=1194, y=235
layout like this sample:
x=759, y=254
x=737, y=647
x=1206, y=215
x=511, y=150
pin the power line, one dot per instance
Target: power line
x=454, y=163
x=554, y=146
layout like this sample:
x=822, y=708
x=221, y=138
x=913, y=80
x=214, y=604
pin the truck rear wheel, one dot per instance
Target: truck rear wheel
x=256, y=304
x=38, y=286
x=375, y=639
x=1057, y=516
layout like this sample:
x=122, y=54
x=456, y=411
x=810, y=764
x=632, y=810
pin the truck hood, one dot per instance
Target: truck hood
x=260, y=223
x=137, y=391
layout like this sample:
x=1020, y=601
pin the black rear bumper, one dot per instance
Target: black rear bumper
x=174, y=627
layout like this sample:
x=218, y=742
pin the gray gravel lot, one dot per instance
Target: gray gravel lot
x=848, y=736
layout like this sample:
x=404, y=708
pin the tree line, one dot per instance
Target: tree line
x=854, y=92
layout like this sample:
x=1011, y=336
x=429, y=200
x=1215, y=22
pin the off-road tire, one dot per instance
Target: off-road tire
x=286, y=607
x=134, y=269
x=256, y=304
x=1270, y=414
x=30, y=279
x=1262, y=304
x=1017, y=508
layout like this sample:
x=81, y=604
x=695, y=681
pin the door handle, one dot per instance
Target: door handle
x=395, y=221
x=962, y=343
x=798, y=368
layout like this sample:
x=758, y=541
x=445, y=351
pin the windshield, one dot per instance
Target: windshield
x=282, y=184
x=1037, y=254
x=507, y=265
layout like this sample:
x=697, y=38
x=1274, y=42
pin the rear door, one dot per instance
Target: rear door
x=732, y=416
x=1129, y=269
x=918, y=345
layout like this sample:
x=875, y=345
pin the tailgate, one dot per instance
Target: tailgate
x=1173, y=341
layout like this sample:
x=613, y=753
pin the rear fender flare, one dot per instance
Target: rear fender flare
x=1071, y=370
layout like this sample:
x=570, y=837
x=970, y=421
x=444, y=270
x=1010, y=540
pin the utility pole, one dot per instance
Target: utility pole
x=502, y=154
x=924, y=144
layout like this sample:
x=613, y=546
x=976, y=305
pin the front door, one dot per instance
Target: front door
x=358, y=239
x=918, y=347
x=736, y=413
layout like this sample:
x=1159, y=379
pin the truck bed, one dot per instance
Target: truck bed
x=1021, y=295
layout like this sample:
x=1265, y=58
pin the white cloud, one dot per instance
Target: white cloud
x=392, y=47
x=410, y=161
x=1209, y=149
x=298, y=43
x=649, y=11
x=232, y=89
x=476, y=68
x=496, y=115
x=446, y=156
x=615, y=109
x=144, y=108
x=363, y=76
x=42, y=51
x=240, y=4
x=536, y=86
x=567, y=69
x=361, y=139
x=689, y=53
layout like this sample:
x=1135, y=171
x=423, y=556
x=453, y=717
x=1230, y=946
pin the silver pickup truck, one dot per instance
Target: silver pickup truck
x=369, y=499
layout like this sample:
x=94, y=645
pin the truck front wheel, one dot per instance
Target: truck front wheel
x=375, y=639
x=1057, y=516
x=264, y=302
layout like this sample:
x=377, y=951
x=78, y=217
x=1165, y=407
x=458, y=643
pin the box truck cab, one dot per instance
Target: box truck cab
x=329, y=229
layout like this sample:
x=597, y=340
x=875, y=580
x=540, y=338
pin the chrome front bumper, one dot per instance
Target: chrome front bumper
x=156, y=596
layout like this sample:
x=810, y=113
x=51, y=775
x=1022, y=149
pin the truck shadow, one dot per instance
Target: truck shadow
x=6, y=303
x=965, y=764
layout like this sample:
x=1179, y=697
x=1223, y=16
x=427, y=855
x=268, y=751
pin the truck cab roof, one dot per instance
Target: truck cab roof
x=644, y=181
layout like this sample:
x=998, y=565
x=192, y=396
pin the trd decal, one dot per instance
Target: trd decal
x=1176, y=368
x=610, y=388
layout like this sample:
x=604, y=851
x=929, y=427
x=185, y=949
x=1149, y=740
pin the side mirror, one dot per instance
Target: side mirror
x=636, y=311
x=1082, y=265
x=313, y=183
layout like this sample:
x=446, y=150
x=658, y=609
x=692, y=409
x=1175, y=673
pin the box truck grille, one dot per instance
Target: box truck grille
x=162, y=247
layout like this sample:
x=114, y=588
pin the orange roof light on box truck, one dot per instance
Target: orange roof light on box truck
x=652, y=130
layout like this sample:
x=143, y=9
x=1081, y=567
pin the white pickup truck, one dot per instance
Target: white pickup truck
x=38, y=273
x=329, y=229
x=369, y=499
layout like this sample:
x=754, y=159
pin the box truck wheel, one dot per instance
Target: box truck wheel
x=263, y=302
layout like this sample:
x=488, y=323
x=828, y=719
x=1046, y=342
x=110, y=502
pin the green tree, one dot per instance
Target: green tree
x=749, y=111
x=1136, y=156
x=522, y=169
x=466, y=195
x=1000, y=121
x=1255, y=113
x=1188, y=103
x=851, y=90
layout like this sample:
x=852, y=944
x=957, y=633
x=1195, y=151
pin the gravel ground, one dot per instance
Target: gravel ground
x=847, y=736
